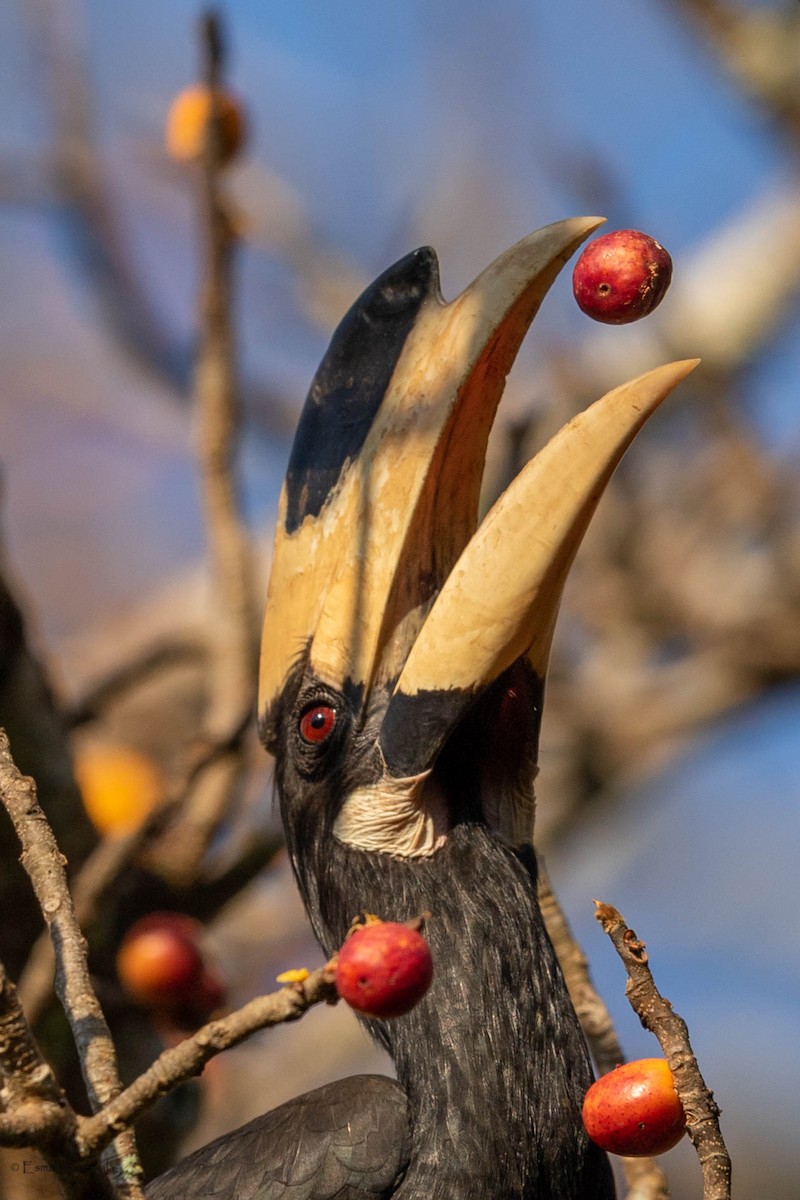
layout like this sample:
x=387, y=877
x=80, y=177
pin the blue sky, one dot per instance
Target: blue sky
x=464, y=126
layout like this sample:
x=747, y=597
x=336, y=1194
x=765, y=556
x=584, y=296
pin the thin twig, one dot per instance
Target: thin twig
x=218, y=421
x=181, y=1062
x=44, y=864
x=657, y=1015
x=644, y=1178
x=122, y=679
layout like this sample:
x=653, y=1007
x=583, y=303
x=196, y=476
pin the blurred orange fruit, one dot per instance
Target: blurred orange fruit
x=161, y=965
x=159, y=961
x=187, y=122
x=119, y=787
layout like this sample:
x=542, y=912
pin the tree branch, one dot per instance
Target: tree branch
x=233, y=644
x=27, y=1080
x=44, y=864
x=188, y=1058
x=644, y=1177
x=657, y=1015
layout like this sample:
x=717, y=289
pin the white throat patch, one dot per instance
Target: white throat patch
x=390, y=817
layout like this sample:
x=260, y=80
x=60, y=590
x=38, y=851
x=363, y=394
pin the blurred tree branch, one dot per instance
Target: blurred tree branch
x=29, y=711
x=233, y=626
x=761, y=50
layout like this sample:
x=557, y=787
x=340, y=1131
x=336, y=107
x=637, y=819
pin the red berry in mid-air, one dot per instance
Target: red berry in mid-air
x=621, y=277
x=635, y=1110
x=383, y=969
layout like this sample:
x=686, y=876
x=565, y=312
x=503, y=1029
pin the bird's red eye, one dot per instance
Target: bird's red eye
x=316, y=724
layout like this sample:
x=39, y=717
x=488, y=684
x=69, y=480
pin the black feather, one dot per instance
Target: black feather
x=348, y=1140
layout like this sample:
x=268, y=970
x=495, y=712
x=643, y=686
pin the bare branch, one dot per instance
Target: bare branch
x=181, y=1062
x=644, y=1178
x=44, y=864
x=657, y=1015
x=27, y=1079
x=233, y=645
x=760, y=49
x=123, y=678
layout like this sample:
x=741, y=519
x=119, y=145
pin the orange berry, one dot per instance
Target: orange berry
x=187, y=122
x=119, y=787
x=159, y=962
x=634, y=1110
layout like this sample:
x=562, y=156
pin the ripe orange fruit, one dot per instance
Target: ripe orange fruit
x=187, y=122
x=634, y=1110
x=383, y=969
x=119, y=787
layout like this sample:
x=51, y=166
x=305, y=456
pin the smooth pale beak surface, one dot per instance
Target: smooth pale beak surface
x=501, y=599
x=383, y=485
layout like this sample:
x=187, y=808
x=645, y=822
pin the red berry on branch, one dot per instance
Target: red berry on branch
x=635, y=1110
x=383, y=969
x=621, y=277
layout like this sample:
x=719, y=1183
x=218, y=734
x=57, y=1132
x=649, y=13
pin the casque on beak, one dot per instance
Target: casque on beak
x=380, y=573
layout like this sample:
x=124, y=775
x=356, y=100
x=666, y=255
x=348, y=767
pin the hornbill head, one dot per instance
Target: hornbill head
x=405, y=644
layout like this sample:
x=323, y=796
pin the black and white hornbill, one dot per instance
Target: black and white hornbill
x=404, y=655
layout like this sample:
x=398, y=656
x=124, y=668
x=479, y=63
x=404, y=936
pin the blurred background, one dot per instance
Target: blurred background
x=669, y=781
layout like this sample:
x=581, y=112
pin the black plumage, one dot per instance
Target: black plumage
x=492, y=1059
x=348, y=1140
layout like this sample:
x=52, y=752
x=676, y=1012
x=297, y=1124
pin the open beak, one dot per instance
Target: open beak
x=501, y=600
x=382, y=488
x=380, y=572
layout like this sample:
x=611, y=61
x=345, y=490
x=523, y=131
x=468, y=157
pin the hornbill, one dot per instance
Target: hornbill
x=404, y=655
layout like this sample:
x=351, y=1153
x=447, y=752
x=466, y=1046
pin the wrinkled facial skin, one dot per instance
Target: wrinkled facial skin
x=484, y=771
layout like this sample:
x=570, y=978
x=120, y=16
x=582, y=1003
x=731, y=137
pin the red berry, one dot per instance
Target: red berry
x=159, y=962
x=621, y=277
x=635, y=1110
x=384, y=969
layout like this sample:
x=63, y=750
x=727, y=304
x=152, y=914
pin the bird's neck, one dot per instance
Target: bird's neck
x=492, y=1059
